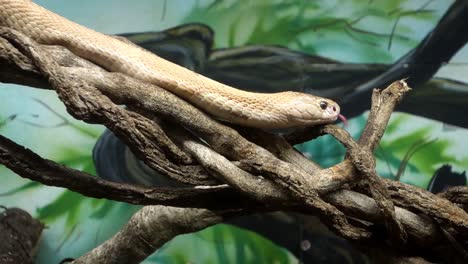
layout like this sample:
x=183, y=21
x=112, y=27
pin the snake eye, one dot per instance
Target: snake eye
x=323, y=105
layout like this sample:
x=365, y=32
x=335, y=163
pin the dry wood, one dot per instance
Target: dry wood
x=233, y=170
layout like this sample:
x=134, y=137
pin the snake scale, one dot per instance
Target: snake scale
x=260, y=110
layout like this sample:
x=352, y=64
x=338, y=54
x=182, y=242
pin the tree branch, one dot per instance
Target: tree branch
x=21, y=235
x=289, y=181
x=81, y=97
x=148, y=230
x=29, y=165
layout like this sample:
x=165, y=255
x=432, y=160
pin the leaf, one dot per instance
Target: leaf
x=106, y=207
x=22, y=188
x=223, y=244
x=425, y=159
x=322, y=27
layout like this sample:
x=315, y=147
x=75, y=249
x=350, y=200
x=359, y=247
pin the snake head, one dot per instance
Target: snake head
x=310, y=110
x=329, y=109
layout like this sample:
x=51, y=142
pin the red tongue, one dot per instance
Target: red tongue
x=343, y=119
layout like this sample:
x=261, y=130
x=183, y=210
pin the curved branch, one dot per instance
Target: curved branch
x=290, y=173
x=148, y=230
x=80, y=96
x=29, y=165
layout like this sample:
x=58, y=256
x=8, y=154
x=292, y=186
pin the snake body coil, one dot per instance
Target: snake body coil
x=262, y=110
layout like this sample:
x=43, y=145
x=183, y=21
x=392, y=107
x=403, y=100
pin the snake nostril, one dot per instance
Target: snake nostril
x=334, y=108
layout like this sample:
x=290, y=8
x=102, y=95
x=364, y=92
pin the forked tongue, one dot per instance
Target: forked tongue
x=343, y=119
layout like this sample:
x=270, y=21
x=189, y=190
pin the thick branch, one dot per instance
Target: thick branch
x=383, y=104
x=224, y=170
x=458, y=195
x=29, y=165
x=80, y=97
x=149, y=229
x=297, y=177
x=20, y=235
x=364, y=162
x=449, y=216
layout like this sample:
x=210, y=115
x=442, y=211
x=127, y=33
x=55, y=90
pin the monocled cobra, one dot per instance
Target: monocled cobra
x=261, y=110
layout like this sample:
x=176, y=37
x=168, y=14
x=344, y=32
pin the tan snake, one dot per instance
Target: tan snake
x=261, y=110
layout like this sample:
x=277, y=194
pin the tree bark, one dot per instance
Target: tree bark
x=20, y=235
x=229, y=170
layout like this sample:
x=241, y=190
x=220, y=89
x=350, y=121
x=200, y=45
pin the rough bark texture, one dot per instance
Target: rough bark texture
x=147, y=231
x=229, y=170
x=20, y=235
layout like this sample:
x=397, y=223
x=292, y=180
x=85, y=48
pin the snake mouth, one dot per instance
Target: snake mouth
x=333, y=111
x=343, y=119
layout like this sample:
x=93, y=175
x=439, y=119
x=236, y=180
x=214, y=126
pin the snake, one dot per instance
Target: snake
x=258, y=110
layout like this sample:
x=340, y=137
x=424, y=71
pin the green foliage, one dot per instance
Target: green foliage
x=3, y=121
x=25, y=187
x=426, y=150
x=67, y=204
x=231, y=244
x=101, y=208
x=368, y=29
